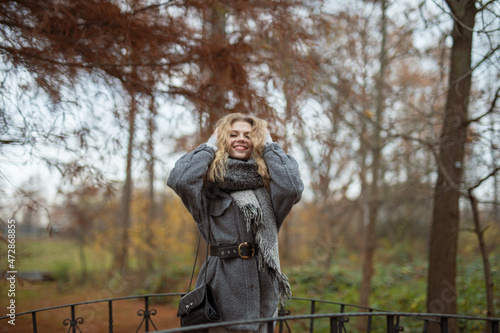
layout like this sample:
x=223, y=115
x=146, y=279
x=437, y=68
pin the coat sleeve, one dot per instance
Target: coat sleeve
x=186, y=179
x=286, y=185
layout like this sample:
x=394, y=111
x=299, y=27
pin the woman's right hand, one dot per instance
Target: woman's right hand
x=215, y=134
x=212, y=141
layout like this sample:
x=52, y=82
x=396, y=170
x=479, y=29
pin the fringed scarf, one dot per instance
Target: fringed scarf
x=246, y=187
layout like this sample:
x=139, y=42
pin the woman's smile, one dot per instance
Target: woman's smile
x=240, y=147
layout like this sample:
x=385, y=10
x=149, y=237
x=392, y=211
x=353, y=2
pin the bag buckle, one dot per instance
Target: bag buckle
x=245, y=244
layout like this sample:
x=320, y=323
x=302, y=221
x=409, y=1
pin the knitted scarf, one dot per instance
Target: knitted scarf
x=246, y=187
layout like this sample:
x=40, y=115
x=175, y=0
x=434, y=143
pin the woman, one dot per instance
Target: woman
x=244, y=186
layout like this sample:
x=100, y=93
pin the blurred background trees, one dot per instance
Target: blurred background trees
x=393, y=127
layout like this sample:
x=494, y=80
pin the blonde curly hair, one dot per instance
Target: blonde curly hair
x=217, y=170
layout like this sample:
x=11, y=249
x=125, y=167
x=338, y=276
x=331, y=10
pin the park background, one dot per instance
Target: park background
x=390, y=107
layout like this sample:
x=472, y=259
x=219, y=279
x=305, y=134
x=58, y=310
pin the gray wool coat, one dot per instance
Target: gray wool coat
x=242, y=291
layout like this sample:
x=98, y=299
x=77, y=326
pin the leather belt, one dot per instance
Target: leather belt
x=244, y=250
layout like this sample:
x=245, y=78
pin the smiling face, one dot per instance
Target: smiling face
x=241, y=146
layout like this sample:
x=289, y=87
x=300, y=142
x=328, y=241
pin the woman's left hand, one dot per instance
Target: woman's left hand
x=269, y=139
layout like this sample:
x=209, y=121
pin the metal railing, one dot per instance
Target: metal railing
x=335, y=321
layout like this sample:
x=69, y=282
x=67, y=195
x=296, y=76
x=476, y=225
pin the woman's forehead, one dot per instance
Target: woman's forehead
x=241, y=126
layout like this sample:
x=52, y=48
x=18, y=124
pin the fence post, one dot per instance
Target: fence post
x=390, y=324
x=146, y=313
x=494, y=327
x=369, y=325
x=444, y=325
x=313, y=310
x=333, y=325
x=33, y=320
x=110, y=312
x=73, y=322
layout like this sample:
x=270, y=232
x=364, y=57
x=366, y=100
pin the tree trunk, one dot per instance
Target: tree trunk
x=441, y=283
x=370, y=238
x=219, y=71
x=81, y=250
x=490, y=307
x=121, y=254
x=151, y=194
x=218, y=75
x=496, y=191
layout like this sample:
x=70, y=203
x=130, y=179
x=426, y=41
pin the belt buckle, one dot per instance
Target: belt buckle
x=246, y=244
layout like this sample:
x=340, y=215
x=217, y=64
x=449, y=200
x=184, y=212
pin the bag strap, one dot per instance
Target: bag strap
x=196, y=257
x=194, y=265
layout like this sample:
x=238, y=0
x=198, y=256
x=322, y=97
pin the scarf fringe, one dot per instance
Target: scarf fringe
x=251, y=213
x=284, y=289
x=254, y=222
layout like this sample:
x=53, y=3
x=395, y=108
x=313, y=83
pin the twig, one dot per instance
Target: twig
x=490, y=110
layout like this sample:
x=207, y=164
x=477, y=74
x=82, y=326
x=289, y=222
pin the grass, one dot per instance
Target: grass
x=58, y=255
x=398, y=285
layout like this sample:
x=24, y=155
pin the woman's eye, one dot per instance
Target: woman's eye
x=232, y=135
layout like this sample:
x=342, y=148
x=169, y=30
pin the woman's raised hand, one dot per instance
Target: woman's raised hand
x=269, y=139
x=215, y=134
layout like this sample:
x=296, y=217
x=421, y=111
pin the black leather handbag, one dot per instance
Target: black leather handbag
x=198, y=306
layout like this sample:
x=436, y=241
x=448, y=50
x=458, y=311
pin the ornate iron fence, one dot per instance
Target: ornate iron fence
x=337, y=322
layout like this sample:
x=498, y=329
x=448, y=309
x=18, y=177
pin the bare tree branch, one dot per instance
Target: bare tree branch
x=491, y=174
x=484, y=6
x=490, y=110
